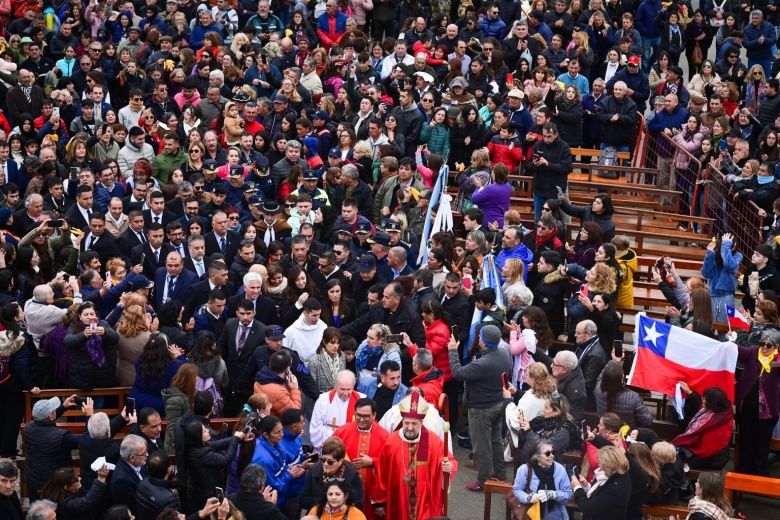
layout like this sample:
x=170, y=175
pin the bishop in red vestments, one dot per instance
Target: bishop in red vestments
x=364, y=439
x=411, y=468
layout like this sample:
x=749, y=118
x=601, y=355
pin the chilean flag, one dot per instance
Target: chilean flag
x=666, y=354
x=737, y=320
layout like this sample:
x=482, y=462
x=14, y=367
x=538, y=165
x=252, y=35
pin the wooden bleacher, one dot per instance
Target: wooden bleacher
x=118, y=392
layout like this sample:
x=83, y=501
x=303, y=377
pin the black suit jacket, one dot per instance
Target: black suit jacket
x=128, y=206
x=234, y=360
x=58, y=207
x=175, y=206
x=149, y=264
x=181, y=289
x=76, y=219
x=190, y=266
x=106, y=246
x=231, y=246
x=124, y=482
x=199, y=294
x=265, y=308
x=167, y=218
x=128, y=240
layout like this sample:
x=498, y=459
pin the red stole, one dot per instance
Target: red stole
x=353, y=399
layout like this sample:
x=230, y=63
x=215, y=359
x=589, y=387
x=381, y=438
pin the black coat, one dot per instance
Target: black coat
x=90, y=449
x=232, y=240
x=573, y=387
x=11, y=507
x=24, y=368
x=314, y=490
x=265, y=308
x=48, y=448
x=459, y=150
x=461, y=311
x=616, y=133
x=609, y=501
x=205, y=467
x=253, y=505
x=76, y=507
x=549, y=292
x=546, y=178
x=124, y=483
x=152, y=496
x=569, y=121
x=84, y=373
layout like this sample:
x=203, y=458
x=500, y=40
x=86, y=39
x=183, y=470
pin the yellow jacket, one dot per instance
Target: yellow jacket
x=628, y=265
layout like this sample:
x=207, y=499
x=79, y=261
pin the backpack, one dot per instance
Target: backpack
x=207, y=385
x=608, y=157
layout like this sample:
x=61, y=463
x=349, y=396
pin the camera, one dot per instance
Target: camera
x=252, y=423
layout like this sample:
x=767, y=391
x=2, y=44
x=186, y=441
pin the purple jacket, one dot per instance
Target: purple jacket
x=493, y=200
x=770, y=384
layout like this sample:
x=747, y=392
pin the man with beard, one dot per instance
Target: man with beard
x=412, y=464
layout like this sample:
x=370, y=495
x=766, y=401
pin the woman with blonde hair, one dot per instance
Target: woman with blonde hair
x=178, y=398
x=117, y=268
x=672, y=474
x=370, y=355
x=481, y=166
x=579, y=48
x=609, y=494
x=531, y=404
x=753, y=91
x=239, y=39
x=134, y=329
x=516, y=293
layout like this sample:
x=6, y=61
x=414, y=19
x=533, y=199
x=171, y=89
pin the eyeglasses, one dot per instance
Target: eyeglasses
x=487, y=49
x=96, y=49
x=757, y=73
x=766, y=344
x=545, y=208
x=329, y=462
x=233, y=217
x=137, y=99
x=426, y=100
x=194, y=150
x=548, y=453
x=290, y=205
x=362, y=416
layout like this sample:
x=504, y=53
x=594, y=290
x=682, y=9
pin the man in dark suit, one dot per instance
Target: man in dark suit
x=149, y=428
x=173, y=282
x=265, y=308
x=220, y=240
x=151, y=254
x=136, y=199
x=199, y=293
x=174, y=232
x=28, y=217
x=129, y=471
x=176, y=206
x=157, y=214
x=56, y=200
x=327, y=269
x=196, y=257
x=241, y=336
x=134, y=234
x=99, y=240
x=79, y=213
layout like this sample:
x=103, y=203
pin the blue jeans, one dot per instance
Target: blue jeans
x=719, y=307
x=651, y=47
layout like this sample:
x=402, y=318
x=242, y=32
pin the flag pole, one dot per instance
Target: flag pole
x=727, y=317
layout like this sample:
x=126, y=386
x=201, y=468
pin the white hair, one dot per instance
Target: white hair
x=567, y=359
x=99, y=426
x=131, y=445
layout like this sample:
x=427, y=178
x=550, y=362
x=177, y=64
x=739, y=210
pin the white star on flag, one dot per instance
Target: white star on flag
x=652, y=335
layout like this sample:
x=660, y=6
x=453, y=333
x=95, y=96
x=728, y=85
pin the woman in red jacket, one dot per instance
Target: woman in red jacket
x=705, y=442
x=437, y=335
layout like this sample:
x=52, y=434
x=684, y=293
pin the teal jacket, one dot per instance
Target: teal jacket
x=437, y=138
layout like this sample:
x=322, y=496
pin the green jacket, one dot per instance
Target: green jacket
x=164, y=164
x=437, y=138
x=176, y=405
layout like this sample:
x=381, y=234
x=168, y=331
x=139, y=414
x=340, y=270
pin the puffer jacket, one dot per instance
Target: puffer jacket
x=24, y=373
x=153, y=495
x=500, y=151
x=48, y=448
x=585, y=214
x=176, y=404
x=437, y=336
x=272, y=459
x=83, y=373
x=279, y=395
x=569, y=121
x=690, y=145
x=628, y=263
x=629, y=406
x=437, y=138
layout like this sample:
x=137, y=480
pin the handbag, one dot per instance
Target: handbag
x=698, y=55
x=518, y=509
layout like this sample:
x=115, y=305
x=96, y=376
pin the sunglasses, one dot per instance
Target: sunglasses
x=766, y=344
x=289, y=205
x=233, y=217
x=329, y=462
x=548, y=453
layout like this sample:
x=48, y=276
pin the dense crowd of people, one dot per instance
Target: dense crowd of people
x=226, y=206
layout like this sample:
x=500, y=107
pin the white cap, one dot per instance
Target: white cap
x=425, y=76
x=517, y=93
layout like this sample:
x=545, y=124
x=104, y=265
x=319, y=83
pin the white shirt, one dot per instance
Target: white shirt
x=323, y=416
